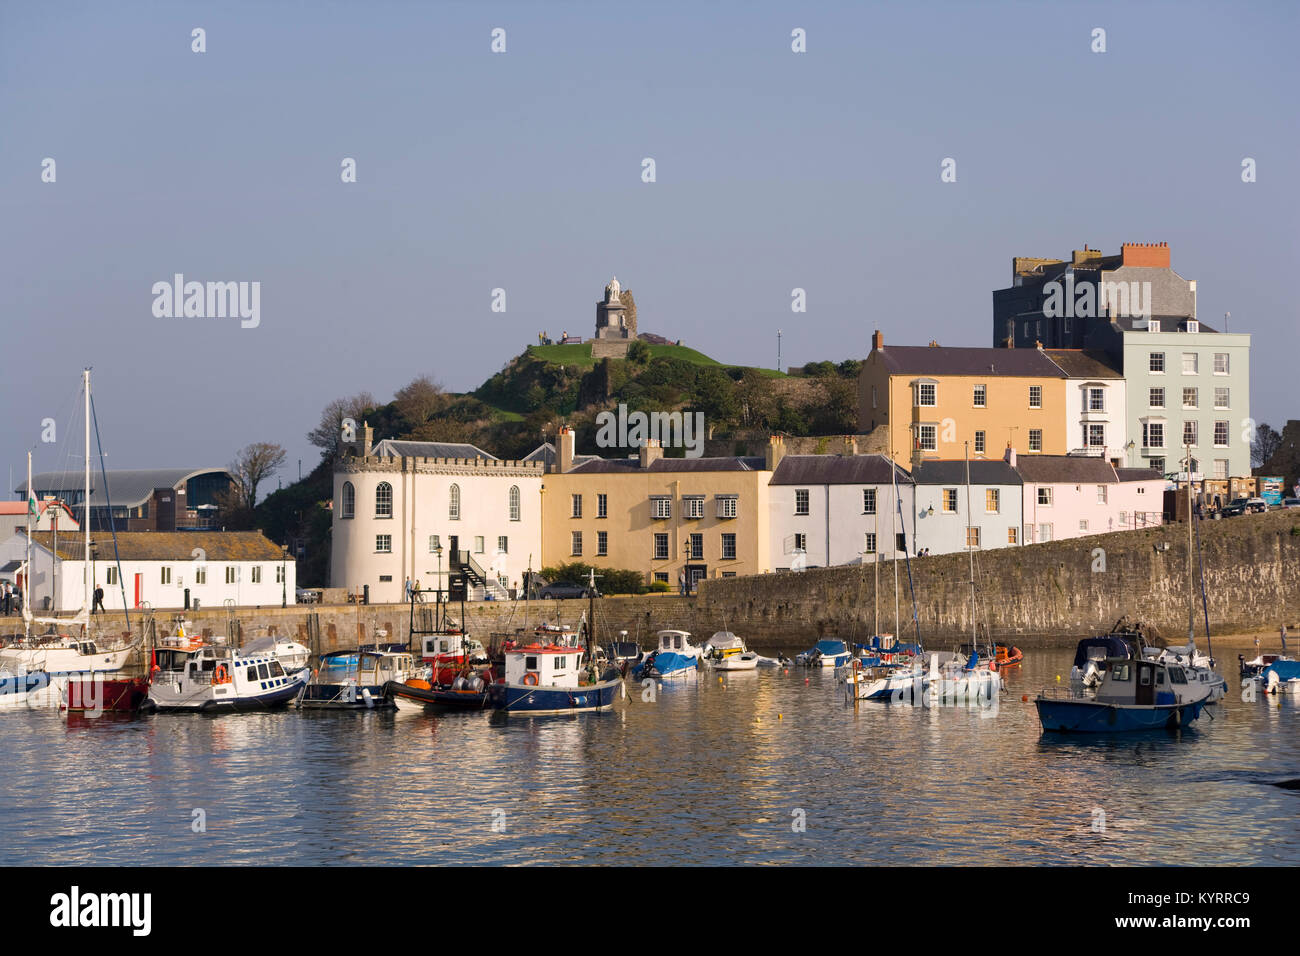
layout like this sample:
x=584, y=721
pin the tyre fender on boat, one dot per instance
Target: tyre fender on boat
x=221, y=675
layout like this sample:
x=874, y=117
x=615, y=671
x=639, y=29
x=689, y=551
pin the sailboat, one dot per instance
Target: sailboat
x=35, y=669
x=1199, y=667
x=969, y=676
x=894, y=673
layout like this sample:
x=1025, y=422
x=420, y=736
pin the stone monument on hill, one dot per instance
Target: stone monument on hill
x=615, y=323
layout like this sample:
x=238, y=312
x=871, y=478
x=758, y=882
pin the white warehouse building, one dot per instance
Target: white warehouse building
x=436, y=514
x=159, y=568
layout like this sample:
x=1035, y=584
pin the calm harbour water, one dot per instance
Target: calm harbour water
x=710, y=773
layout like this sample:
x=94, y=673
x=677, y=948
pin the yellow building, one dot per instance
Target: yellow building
x=672, y=519
x=934, y=399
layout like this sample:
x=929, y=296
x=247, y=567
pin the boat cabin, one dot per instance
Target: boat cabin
x=366, y=667
x=544, y=665
x=675, y=641
x=1143, y=682
x=208, y=664
x=725, y=644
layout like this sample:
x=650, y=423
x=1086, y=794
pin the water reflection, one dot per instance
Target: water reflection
x=760, y=767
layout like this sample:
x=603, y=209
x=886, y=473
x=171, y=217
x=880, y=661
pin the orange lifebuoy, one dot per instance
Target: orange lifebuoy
x=530, y=680
x=221, y=675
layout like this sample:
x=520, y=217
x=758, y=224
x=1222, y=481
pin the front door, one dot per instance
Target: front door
x=453, y=557
x=695, y=573
x=1146, y=691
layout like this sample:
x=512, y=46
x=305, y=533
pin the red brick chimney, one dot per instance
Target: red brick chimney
x=877, y=340
x=1150, y=255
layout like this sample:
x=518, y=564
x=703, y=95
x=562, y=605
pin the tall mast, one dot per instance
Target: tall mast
x=970, y=550
x=85, y=511
x=893, y=544
x=27, y=571
x=1191, y=594
x=875, y=560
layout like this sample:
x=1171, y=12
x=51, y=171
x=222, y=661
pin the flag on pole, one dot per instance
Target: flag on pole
x=31, y=502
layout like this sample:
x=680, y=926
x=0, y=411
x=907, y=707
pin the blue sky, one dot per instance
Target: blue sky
x=522, y=171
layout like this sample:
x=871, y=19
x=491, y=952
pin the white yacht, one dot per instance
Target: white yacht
x=726, y=652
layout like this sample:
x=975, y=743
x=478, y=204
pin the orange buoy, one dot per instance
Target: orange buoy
x=1024, y=698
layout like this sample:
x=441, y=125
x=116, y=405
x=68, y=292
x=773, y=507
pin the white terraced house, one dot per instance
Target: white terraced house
x=437, y=514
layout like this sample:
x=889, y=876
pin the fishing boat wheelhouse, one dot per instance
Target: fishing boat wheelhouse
x=356, y=680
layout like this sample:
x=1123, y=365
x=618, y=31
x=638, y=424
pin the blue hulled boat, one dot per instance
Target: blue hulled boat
x=825, y=653
x=1135, y=694
x=553, y=679
x=674, y=656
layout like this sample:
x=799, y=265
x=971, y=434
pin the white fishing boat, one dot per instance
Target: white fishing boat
x=726, y=652
x=1198, y=667
x=292, y=655
x=189, y=674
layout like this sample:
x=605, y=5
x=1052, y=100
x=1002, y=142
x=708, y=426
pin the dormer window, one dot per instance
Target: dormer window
x=1153, y=325
x=1193, y=325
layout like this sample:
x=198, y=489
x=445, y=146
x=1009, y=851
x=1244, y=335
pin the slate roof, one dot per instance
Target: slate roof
x=1168, y=323
x=953, y=472
x=167, y=545
x=127, y=488
x=1138, y=474
x=1066, y=469
x=945, y=360
x=1084, y=363
x=598, y=466
x=837, y=470
x=396, y=448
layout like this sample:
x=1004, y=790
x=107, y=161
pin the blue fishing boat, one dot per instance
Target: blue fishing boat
x=1135, y=694
x=556, y=674
x=1281, y=676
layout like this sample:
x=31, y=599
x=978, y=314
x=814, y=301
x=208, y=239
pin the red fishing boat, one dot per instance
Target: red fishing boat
x=91, y=694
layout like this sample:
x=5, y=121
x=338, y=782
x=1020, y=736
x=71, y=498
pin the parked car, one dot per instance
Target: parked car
x=562, y=590
x=1291, y=502
x=1241, y=506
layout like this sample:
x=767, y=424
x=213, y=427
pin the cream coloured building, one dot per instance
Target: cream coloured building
x=669, y=518
x=435, y=513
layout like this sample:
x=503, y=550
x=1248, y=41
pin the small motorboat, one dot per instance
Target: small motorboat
x=623, y=653
x=825, y=653
x=958, y=681
x=1135, y=694
x=779, y=661
x=888, y=683
x=1004, y=655
x=726, y=652
x=1281, y=677
x=467, y=692
x=674, y=656
x=356, y=680
x=291, y=655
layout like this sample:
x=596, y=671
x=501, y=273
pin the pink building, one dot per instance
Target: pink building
x=1072, y=496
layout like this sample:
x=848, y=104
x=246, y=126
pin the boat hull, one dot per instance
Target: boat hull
x=404, y=695
x=107, y=695
x=36, y=690
x=346, y=697
x=530, y=699
x=1087, y=716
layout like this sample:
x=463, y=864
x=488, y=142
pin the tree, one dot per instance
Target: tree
x=419, y=400
x=328, y=435
x=254, y=464
x=1264, y=445
x=638, y=353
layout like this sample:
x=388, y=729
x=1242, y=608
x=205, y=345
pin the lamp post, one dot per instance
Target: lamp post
x=437, y=550
x=284, y=575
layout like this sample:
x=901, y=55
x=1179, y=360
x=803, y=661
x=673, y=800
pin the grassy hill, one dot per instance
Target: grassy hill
x=580, y=356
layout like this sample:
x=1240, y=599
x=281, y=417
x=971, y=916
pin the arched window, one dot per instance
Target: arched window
x=514, y=502
x=453, y=503
x=384, y=500
x=348, y=506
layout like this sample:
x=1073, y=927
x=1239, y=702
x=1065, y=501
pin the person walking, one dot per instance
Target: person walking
x=408, y=589
x=8, y=599
x=99, y=600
